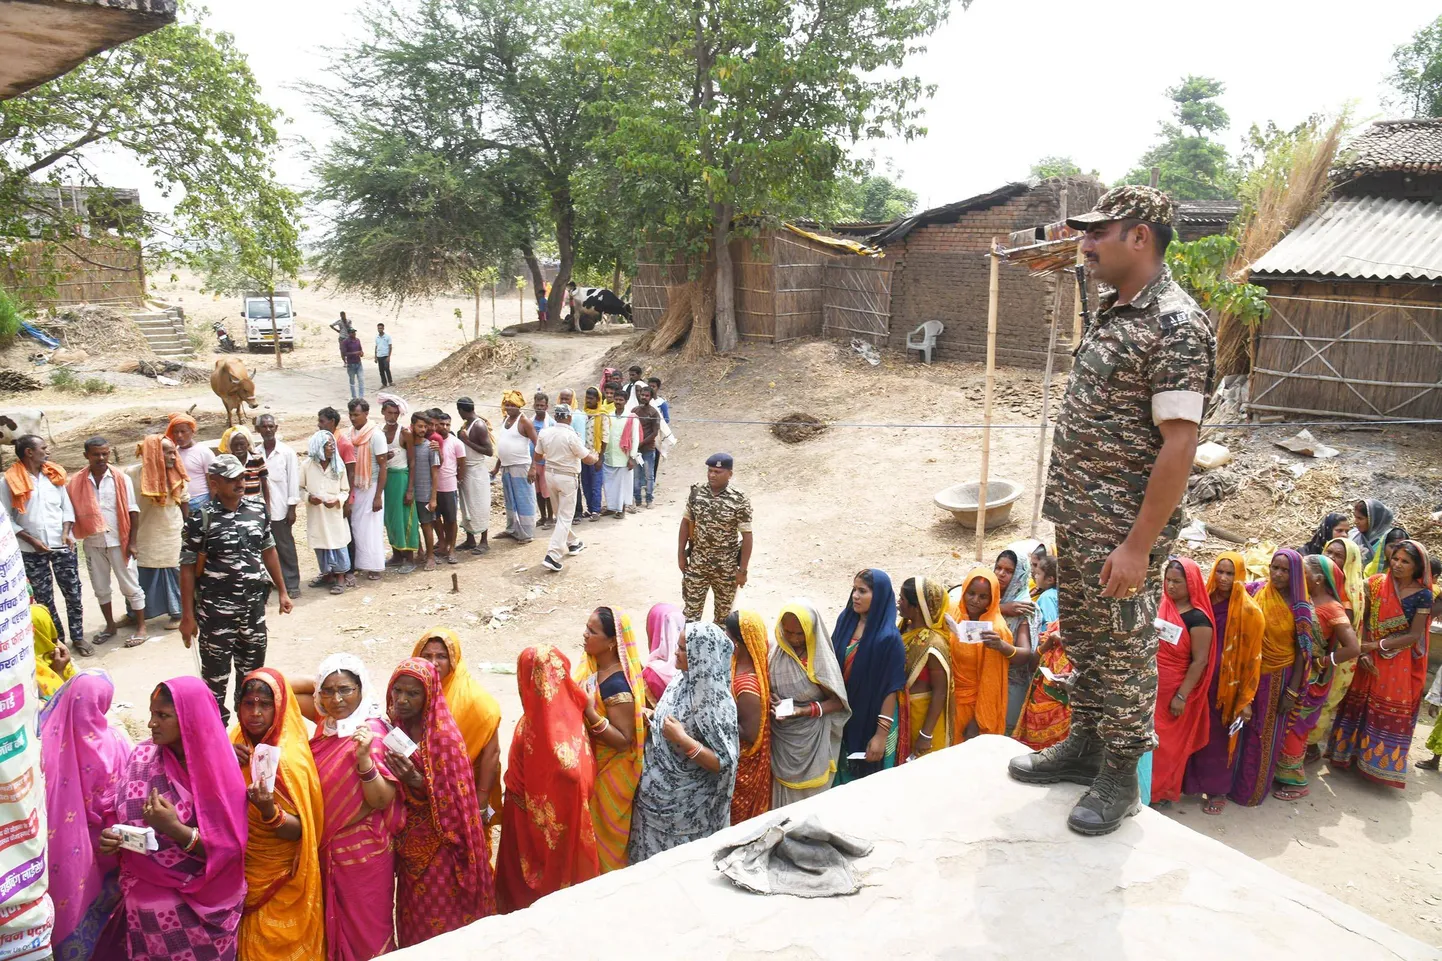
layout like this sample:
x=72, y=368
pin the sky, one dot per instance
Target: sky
x=1015, y=81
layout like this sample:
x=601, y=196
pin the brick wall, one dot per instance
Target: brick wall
x=940, y=272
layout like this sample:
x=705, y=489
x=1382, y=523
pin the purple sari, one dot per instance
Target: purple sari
x=1209, y=771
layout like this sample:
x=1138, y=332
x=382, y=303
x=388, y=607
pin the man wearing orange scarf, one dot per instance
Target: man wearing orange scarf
x=106, y=512
x=34, y=496
x=367, y=523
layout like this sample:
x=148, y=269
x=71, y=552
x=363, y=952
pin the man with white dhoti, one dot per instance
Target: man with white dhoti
x=621, y=437
x=475, y=433
x=367, y=520
x=517, y=470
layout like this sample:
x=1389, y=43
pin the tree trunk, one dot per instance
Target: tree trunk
x=616, y=279
x=565, y=214
x=537, y=278
x=726, y=336
x=477, y=334
x=275, y=330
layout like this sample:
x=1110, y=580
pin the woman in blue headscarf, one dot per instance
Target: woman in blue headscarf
x=873, y=662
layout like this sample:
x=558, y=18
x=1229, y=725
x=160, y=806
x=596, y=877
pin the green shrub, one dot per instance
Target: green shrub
x=63, y=378
x=10, y=318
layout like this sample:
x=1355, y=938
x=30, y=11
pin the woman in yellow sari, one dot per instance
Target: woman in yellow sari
x=284, y=919
x=979, y=664
x=53, y=666
x=476, y=713
x=926, y=701
x=1345, y=553
x=610, y=676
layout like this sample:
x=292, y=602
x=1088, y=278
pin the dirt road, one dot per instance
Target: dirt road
x=847, y=499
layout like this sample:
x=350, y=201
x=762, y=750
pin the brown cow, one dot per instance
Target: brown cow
x=232, y=384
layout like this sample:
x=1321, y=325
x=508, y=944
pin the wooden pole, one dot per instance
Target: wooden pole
x=1076, y=311
x=1156, y=177
x=993, y=295
x=493, y=305
x=477, y=333
x=1039, y=486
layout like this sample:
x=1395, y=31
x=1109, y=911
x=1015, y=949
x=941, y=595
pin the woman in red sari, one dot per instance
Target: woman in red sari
x=1374, y=724
x=1184, y=669
x=548, y=840
x=751, y=687
x=362, y=813
x=443, y=880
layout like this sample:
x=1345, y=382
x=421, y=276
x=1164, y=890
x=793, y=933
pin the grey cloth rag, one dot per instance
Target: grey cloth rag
x=801, y=858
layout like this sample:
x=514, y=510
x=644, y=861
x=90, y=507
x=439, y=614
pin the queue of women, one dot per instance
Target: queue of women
x=388, y=818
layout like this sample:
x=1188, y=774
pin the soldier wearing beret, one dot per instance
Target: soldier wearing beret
x=1123, y=450
x=715, y=544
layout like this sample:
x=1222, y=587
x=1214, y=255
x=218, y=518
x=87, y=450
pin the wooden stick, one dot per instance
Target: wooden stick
x=1076, y=312
x=1039, y=486
x=993, y=295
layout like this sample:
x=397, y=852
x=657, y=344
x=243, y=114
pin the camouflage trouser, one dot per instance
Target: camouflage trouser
x=1112, y=644
x=231, y=628
x=700, y=577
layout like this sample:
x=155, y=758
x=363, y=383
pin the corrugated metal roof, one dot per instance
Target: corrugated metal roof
x=1367, y=238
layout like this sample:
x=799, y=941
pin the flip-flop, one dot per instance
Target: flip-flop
x=1214, y=805
x=337, y=589
x=373, y=575
x=135, y=640
x=451, y=559
x=1291, y=793
x=82, y=648
x=103, y=637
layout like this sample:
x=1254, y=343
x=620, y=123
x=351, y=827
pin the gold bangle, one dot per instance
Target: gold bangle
x=278, y=820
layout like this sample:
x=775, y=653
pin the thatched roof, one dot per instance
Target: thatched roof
x=1413, y=146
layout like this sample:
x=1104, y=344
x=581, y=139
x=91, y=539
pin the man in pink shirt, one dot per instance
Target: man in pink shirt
x=452, y=474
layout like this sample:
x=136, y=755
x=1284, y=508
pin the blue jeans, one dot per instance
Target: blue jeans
x=591, y=487
x=355, y=373
x=645, y=480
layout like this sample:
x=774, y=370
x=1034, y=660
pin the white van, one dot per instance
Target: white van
x=256, y=312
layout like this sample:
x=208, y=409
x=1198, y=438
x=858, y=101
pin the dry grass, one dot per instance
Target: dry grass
x=99, y=331
x=796, y=428
x=485, y=355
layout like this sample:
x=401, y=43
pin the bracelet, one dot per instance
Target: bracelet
x=1333, y=658
x=194, y=840
x=1291, y=693
x=1014, y=650
x=815, y=709
x=276, y=821
x=692, y=755
x=368, y=776
x=925, y=735
x=886, y=719
x=599, y=729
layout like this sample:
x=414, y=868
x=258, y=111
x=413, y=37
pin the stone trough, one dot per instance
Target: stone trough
x=961, y=501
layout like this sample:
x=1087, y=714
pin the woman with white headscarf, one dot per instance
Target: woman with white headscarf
x=324, y=487
x=803, y=669
x=1021, y=618
x=362, y=815
x=692, y=750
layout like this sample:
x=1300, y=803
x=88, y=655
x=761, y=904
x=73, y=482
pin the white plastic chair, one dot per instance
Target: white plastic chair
x=924, y=338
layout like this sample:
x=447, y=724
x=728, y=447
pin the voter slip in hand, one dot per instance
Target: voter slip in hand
x=786, y=707
x=399, y=742
x=1169, y=632
x=139, y=840
x=971, y=631
x=264, y=762
x=347, y=726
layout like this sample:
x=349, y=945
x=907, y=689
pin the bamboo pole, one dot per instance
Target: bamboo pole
x=993, y=295
x=1076, y=311
x=1039, y=487
x=477, y=334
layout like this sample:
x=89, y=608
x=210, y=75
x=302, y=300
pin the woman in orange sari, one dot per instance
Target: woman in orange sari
x=925, y=705
x=362, y=813
x=284, y=919
x=443, y=877
x=611, y=675
x=475, y=712
x=1375, y=722
x=548, y=841
x=979, y=661
x=751, y=687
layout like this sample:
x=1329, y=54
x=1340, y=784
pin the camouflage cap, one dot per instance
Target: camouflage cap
x=1128, y=202
x=227, y=466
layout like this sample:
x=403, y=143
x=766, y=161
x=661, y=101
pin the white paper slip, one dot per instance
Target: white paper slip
x=400, y=742
x=347, y=726
x=1236, y=726
x=1054, y=677
x=786, y=707
x=1169, y=632
x=971, y=631
x=857, y=756
x=264, y=762
x=139, y=840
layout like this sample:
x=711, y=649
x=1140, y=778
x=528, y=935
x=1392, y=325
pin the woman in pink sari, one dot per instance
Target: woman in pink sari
x=82, y=758
x=663, y=632
x=183, y=901
x=362, y=815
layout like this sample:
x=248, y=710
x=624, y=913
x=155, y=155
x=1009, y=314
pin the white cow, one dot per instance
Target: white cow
x=19, y=421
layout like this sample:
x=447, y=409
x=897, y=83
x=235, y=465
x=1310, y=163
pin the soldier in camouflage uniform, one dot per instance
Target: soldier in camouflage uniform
x=228, y=564
x=1123, y=449
x=715, y=544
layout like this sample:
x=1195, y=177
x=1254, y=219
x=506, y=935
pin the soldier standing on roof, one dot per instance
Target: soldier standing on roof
x=715, y=542
x=1123, y=450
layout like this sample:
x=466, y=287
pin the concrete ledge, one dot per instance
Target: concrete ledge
x=968, y=865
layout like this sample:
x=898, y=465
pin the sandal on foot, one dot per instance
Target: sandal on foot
x=451, y=559
x=1313, y=755
x=337, y=589
x=102, y=637
x=135, y=640
x=1214, y=805
x=83, y=648
x=1290, y=793
x=373, y=575
x=320, y=581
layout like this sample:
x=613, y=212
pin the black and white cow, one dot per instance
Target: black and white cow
x=588, y=304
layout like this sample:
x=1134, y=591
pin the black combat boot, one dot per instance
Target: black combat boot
x=1077, y=759
x=1113, y=796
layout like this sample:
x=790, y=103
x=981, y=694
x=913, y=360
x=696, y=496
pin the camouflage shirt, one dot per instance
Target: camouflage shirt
x=232, y=542
x=717, y=523
x=1139, y=364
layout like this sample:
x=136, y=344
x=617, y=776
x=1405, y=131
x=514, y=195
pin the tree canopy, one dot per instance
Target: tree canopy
x=872, y=199
x=722, y=113
x=1416, y=77
x=1192, y=164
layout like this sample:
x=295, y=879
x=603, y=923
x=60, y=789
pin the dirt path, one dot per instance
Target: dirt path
x=847, y=499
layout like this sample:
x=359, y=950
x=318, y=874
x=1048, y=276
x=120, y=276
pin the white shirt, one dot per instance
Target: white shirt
x=44, y=517
x=562, y=449
x=105, y=496
x=283, y=478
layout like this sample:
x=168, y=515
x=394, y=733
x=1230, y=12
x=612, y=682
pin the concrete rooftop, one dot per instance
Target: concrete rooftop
x=968, y=865
x=42, y=39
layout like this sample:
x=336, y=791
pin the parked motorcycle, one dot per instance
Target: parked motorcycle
x=222, y=339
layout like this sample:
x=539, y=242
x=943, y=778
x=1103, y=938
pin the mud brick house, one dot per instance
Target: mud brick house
x=940, y=271
x=1355, y=291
